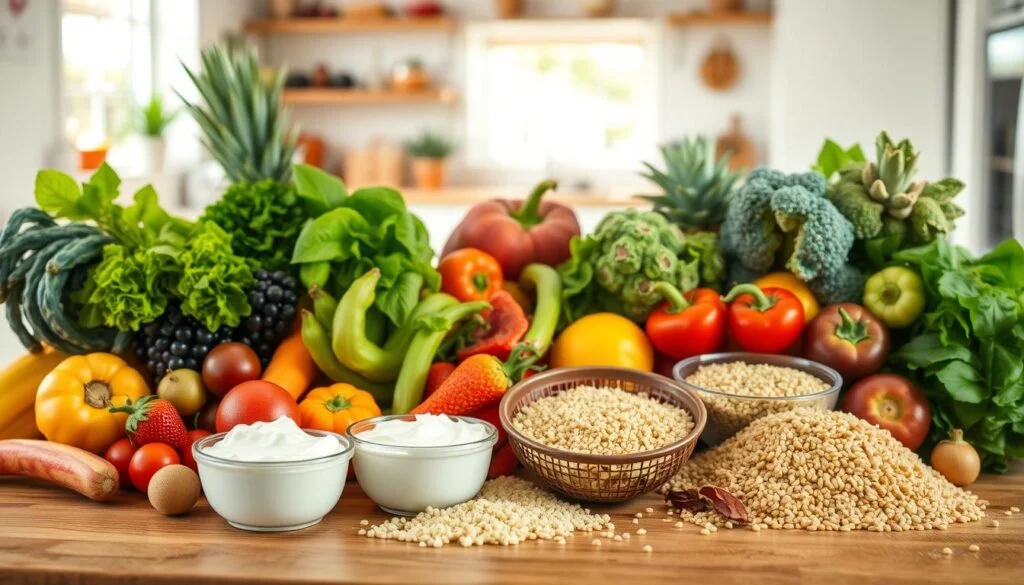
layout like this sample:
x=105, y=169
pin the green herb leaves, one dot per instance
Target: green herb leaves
x=369, y=228
x=966, y=355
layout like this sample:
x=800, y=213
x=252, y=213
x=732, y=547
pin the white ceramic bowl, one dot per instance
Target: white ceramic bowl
x=273, y=496
x=407, y=480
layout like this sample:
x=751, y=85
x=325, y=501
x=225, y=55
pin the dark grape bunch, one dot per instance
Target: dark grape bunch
x=273, y=302
x=178, y=341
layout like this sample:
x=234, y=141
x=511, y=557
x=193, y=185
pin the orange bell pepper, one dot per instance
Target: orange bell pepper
x=334, y=408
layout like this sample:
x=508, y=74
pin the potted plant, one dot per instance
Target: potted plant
x=153, y=120
x=428, y=152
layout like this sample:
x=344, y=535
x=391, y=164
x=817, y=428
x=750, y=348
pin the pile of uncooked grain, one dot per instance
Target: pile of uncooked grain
x=824, y=470
x=508, y=510
x=602, y=421
x=727, y=416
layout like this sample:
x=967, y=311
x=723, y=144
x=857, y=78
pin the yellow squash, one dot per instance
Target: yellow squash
x=603, y=339
x=19, y=381
x=335, y=407
x=73, y=402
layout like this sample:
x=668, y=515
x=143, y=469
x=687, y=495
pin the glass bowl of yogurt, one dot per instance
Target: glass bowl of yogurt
x=273, y=476
x=408, y=462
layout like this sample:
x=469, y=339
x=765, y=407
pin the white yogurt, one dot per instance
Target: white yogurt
x=281, y=440
x=406, y=466
x=427, y=430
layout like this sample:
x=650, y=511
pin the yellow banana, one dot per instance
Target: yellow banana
x=22, y=427
x=19, y=381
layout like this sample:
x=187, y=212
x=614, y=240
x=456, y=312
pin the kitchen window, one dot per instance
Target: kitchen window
x=563, y=97
x=107, y=61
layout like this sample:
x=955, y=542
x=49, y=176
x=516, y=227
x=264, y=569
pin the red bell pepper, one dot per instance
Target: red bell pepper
x=687, y=325
x=506, y=323
x=517, y=233
x=764, y=321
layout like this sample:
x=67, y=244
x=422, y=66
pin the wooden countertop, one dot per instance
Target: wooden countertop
x=48, y=535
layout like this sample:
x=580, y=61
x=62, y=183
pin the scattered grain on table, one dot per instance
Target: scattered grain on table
x=641, y=531
x=605, y=421
x=823, y=470
x=947, y=551
x=974, y=548
x=648, y=548
x=508, y=510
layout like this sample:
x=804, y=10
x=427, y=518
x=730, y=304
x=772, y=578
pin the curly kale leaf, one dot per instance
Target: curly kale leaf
x=213, y=281
x=263, y=219
x=126, y=288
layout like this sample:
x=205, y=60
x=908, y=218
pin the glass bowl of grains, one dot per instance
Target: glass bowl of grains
x=602, y=434
x=739, y=388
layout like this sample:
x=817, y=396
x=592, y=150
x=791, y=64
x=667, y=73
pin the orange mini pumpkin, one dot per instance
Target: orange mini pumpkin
x=335, y=407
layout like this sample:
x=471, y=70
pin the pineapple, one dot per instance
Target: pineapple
x=697, y=189
x=243, y=125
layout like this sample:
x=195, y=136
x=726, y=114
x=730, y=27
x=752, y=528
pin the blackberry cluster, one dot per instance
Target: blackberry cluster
x=176, y=340
x=273, y=311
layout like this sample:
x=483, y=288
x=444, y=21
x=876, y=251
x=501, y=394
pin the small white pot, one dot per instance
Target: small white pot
x=154, y=150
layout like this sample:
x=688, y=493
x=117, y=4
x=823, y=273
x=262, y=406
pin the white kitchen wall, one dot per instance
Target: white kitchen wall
x=29, y=127
x=846, y=69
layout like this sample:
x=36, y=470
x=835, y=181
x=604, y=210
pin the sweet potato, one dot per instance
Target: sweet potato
x=90, y=475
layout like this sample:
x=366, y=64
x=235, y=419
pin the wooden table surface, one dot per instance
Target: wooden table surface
x=48, y=535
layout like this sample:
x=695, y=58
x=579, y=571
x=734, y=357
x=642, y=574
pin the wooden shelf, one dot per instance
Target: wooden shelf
x=347, y=25
x=331, y=96
x=720, y=18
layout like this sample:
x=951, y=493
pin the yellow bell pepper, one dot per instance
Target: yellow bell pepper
x=334, y=408
x=73, y=401
x=789, y=281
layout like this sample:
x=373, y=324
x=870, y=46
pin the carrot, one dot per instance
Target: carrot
x=76, y=469
x=503, y=461
x=436, y=375
x=292, y=367
x=477, y=382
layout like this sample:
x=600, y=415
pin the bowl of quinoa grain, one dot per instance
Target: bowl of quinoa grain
x=739, y=388
x=602, y=434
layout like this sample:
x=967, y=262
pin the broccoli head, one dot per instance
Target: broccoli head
x=778, y=220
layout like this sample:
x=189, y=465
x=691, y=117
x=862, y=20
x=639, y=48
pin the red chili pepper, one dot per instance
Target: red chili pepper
x=767, y=321
x=687, y=325
x=506, y=323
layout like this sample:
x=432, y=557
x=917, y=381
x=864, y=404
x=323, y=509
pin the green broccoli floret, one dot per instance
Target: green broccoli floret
x=784, y=221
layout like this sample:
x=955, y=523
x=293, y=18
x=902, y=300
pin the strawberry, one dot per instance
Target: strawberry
x=477, y=382
x=154, y=420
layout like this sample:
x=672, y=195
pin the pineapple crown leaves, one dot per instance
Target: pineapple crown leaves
x=243, y=125
x=696, y=188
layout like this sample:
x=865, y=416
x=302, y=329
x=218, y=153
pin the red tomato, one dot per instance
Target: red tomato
x=149, y=459
x=206, y=418
x=253, y=402
x=228, y=365
x=893, y=403
x=186, y=454
x=120, y=455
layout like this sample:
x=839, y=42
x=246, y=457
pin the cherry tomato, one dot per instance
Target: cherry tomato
x=893, y=403
x=149, y=459
x=848, y=338
x=683, y=329
x=764, y=321
x=186, y=454
x=228, y=365
x=255, y=401
x=470, y=275
x=120, y=455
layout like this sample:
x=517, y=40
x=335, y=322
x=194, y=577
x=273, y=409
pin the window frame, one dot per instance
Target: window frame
x=479, y=35
x=67, y=91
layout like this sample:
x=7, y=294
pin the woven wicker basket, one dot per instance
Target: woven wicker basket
x=602, y=478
